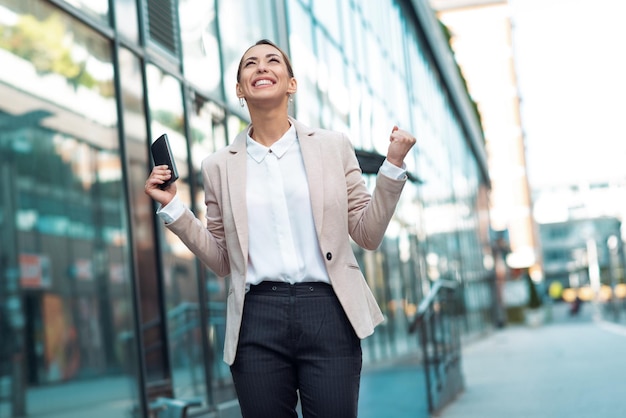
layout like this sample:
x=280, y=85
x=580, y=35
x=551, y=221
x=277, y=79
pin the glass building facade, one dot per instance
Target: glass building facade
x=102, y=310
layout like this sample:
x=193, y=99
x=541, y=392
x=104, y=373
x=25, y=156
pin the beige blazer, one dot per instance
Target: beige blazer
x=342, y=208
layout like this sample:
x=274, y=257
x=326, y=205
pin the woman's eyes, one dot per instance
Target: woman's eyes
x=248, y=63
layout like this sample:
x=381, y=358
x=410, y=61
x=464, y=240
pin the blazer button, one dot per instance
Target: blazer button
x=329, y=256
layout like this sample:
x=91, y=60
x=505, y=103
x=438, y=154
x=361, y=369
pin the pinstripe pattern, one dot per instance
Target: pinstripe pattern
x=296, y=337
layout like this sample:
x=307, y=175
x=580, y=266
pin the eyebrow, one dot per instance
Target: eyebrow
x=271, y=54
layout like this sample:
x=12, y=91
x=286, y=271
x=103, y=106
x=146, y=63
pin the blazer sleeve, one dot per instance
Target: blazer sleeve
x=208, y=242
x=368, y=214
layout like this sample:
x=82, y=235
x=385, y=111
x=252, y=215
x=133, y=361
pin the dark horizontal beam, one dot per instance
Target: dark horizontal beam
x=370, y=163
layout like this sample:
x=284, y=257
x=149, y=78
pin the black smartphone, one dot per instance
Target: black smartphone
x=162, y=155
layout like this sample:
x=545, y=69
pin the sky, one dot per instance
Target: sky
x=571, y=66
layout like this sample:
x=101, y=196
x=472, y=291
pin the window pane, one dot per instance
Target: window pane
x=305, y=64
x=201, y=57
x=327, y=13
x=142, y=207
x=259, y=21
x=99, y=9
x=126, y=19
x=208, y=122
x=179, y=264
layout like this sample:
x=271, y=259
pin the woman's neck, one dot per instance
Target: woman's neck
x=268, y=126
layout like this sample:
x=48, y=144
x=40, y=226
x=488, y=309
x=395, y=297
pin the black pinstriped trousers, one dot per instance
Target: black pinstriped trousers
x=296, y=338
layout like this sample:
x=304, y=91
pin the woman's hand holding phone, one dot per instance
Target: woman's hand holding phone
x=161, y=185
x=160, y=175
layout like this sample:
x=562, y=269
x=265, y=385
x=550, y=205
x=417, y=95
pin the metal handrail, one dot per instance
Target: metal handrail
x=172, y=408
x=440, y=338
x=422, y=309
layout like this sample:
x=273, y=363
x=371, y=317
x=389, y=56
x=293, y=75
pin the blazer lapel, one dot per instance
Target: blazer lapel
x=236, y=175
x=313, y=164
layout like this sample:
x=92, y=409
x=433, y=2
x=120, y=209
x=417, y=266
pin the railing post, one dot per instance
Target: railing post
x=441, y=344
x=426, y=360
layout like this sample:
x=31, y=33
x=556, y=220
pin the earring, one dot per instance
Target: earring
x=291, y=98
x=241, y=102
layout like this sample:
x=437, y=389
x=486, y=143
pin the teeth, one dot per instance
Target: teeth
x=262, y=82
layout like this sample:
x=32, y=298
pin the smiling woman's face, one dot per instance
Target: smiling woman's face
x=264, y=74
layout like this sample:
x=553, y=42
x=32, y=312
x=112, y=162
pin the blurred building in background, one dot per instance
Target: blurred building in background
x=102, y=309
x=480, y=34
x=558, y=225
x=582, y=235
x=575, y=139
x=584, y=253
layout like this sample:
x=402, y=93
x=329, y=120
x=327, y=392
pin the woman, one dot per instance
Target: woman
x=282, y=202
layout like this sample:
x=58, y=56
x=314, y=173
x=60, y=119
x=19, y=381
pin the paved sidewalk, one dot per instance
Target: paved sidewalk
x=571, y=368
x=397, y=391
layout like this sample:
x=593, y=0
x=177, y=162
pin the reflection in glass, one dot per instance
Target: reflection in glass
x=207, y=130
x=331, y=85
x=136, y=144
x=208, y=126
x=126, y=19
x=98, y=9
x=178, y=263
x=328, y=13
x=305, y=65
x=62, y=179
x=260, y=22
x=201, y=58
x=137, y=159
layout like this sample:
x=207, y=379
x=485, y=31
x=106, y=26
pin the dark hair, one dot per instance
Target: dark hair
x=270, y=43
